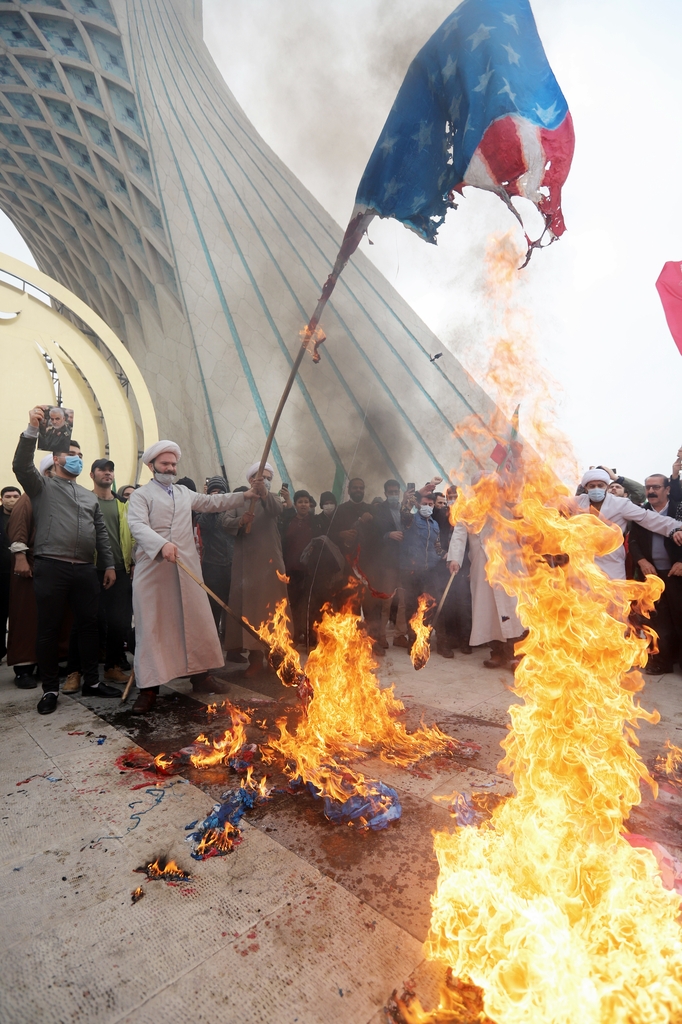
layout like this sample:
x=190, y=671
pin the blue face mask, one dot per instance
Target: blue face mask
x=73, y=464
x=597, y=494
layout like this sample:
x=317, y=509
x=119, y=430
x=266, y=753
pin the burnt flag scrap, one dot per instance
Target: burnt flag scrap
x=479, y=106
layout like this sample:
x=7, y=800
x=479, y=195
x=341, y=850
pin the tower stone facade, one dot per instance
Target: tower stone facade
x=138, y=182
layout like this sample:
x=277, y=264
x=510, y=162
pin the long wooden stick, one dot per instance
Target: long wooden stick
x=442, y=600
x=129, y=686
x=351, y=240
x=238, y=618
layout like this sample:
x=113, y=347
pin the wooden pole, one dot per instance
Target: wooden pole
x=351, y=240
x=442, y=600
x=238, y=618
x=129, y=686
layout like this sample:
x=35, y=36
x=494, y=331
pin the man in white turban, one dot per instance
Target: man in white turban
x=258, y=579
x=175, y=632
x=620, y=511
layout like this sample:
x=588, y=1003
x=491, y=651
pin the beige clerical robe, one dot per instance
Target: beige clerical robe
x=175, y=632
x=493, y=611
x=256, y=587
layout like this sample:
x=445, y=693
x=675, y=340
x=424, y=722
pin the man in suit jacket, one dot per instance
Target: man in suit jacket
x=654, y=555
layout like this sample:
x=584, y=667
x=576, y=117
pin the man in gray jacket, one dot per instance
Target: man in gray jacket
x=70, y=530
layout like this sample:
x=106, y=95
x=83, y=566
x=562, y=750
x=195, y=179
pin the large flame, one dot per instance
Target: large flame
x=349, y=716
x=545, y=908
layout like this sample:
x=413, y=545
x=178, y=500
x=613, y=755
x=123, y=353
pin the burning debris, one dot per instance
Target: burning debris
x=349, y=716
x=669, y=766
x=218, y=834
x=164, y=870
x=137, y=894
x=283, y=657
x=421, y=649
x=461, y=1003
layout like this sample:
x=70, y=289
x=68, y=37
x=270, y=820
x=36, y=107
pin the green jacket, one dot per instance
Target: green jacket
x=125, y=537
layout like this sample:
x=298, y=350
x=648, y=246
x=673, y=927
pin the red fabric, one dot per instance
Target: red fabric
x=499, y=454
x=502, y=151
x=558, y=146
x=669, y=287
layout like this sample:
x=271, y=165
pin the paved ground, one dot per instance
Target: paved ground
x=305, y=922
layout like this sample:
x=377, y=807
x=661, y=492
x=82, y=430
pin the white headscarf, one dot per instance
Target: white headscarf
x=252, y=470
x=595, y=474
x=159, y=448
x=45, y=463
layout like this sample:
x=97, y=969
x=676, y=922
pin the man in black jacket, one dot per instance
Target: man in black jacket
x=384, y=568
x=9, y=496
x=658, y=556
x=69, y=530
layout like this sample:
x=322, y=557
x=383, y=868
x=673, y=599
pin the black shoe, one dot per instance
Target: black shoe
x=26, y=682
x=236, y=656
x=100, y=690
x=446, y=652
x=47, y=703
x=210, y=685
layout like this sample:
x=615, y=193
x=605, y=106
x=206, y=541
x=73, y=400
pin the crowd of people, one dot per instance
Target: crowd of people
x=90, y=575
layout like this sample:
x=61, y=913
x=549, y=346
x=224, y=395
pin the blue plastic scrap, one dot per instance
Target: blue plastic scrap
x=464, y=811
x=232, y=810
x=378, y=806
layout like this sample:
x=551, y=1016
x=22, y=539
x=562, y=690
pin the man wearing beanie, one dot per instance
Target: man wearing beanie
x=620, y=511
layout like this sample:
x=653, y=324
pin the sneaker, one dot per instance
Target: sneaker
x=495, y=661
x=100, y=690
x=72, y=683
x=400, y=640
x=47, y=703
x=116, y=675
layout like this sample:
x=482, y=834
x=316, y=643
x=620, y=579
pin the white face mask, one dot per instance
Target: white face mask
x=426, y=511
x=165, y=478
x=597, y=494
x=451, y=501
x=268, y=483
x=329, y=510
x=393, y=500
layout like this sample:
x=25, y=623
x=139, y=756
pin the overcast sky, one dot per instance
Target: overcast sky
x=317, y=78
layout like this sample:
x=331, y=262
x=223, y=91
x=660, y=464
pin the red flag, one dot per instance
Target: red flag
x=669, y=287
x=499, y=454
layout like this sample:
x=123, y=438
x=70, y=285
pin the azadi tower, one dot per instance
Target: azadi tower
x=138, y=182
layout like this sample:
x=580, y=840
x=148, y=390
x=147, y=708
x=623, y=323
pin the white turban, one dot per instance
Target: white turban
x=595, y=474
x=45, y=463
x=159, y=448
x=252, y=470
